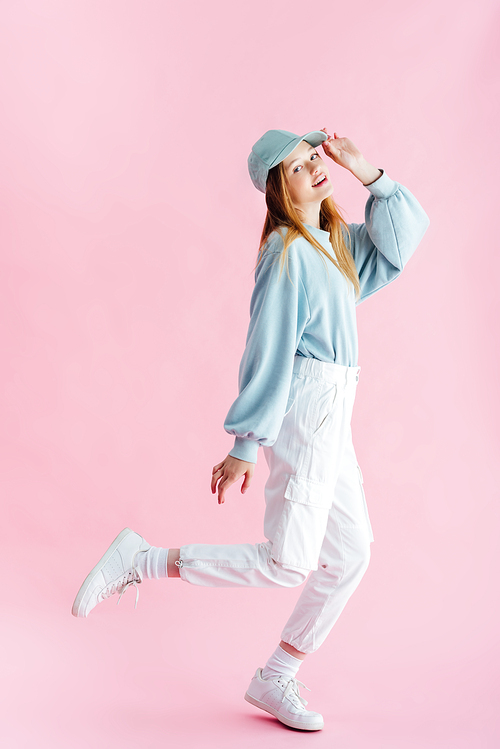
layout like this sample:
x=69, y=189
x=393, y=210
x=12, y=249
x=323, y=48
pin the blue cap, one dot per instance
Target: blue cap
x=273, y=148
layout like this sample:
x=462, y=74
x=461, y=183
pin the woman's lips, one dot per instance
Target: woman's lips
x=322, y=182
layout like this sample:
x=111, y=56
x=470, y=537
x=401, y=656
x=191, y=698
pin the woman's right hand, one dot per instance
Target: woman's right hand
x=343, y=151
x=230, y=470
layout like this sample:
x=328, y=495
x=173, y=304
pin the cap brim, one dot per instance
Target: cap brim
x=314, y=138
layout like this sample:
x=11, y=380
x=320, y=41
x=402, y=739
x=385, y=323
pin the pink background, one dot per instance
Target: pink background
x=129, y=233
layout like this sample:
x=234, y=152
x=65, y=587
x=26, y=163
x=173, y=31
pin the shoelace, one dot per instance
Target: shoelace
x=292, y=689
x=132, y=577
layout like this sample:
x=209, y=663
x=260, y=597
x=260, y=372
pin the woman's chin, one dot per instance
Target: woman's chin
x=326, y=192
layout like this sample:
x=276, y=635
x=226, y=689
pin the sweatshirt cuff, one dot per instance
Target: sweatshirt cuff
x=383, y=187
x=245, y=449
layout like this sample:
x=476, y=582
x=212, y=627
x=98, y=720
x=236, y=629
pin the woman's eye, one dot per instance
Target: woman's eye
x=313, y=156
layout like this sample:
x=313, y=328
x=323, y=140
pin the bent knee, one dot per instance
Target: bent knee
x=362, y=556
x=288, y=576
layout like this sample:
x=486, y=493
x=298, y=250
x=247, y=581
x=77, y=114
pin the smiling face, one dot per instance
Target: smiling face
x=307, y=177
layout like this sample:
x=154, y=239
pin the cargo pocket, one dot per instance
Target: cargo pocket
x=365, y=505
x=303, y=523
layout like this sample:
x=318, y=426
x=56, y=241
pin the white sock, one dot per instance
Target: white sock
x=152, y=563
x=281, y=663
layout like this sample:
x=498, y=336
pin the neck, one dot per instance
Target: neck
x=309, y=214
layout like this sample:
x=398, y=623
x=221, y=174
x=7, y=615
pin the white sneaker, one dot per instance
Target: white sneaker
x=114, y=573
x=280, y=697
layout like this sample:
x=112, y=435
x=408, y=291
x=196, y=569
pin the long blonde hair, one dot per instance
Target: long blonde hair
x=282, y=212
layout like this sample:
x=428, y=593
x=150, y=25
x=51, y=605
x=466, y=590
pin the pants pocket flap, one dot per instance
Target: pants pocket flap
x=307, y=492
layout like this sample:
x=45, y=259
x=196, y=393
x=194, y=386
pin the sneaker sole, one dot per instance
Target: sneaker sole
x=287, y=721
x=88, y=580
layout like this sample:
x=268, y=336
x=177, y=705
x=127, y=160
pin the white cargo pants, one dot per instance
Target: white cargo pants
x=316, y=521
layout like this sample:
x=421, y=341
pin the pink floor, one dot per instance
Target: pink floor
x=174, y=671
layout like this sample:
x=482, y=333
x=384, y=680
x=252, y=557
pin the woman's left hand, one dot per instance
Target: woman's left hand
x=342, y=151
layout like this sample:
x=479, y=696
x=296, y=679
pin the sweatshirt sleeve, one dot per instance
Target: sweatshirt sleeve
x=395, y=223
x=278, y=314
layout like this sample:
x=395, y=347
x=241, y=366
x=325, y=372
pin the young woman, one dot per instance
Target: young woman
x=297, y=384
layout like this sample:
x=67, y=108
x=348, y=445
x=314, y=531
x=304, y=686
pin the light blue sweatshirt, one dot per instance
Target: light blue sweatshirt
x=311, y=317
